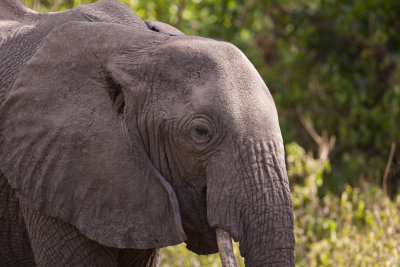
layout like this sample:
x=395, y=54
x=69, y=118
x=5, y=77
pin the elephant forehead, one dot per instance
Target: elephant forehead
x=248, y=104
x=197, y=55
x=219, y=78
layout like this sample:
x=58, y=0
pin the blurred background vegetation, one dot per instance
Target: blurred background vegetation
x=333, y=69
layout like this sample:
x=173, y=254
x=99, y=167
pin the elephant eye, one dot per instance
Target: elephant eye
x=201, y=130
x=201, y=134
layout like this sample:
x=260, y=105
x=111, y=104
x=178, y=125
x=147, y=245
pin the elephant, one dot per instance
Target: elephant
x=121, y=136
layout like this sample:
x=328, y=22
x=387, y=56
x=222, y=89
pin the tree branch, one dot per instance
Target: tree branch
x=324, y=142
x=387, y=169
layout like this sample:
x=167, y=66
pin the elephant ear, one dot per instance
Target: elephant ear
x=66, y=149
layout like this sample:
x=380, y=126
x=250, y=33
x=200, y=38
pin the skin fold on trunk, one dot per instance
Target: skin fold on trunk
x=268, y=239
x=225, y=248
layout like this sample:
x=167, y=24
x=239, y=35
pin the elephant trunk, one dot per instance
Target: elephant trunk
x=273, y=245
x=253, y=204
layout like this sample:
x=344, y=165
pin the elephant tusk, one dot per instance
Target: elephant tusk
x=225, y=248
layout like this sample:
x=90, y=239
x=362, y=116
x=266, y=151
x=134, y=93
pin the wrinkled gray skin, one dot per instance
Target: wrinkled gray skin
x=120, y=136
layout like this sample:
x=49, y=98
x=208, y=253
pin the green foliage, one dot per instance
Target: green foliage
x=339, y=62
x=359, y=227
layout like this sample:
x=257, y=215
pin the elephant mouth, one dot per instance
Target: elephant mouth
x=200, y=240
x=201, y=237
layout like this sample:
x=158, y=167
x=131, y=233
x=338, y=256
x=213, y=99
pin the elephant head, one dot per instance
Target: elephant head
x=142, y=139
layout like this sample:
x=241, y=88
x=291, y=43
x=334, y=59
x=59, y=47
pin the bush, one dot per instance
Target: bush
x=359, y=227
